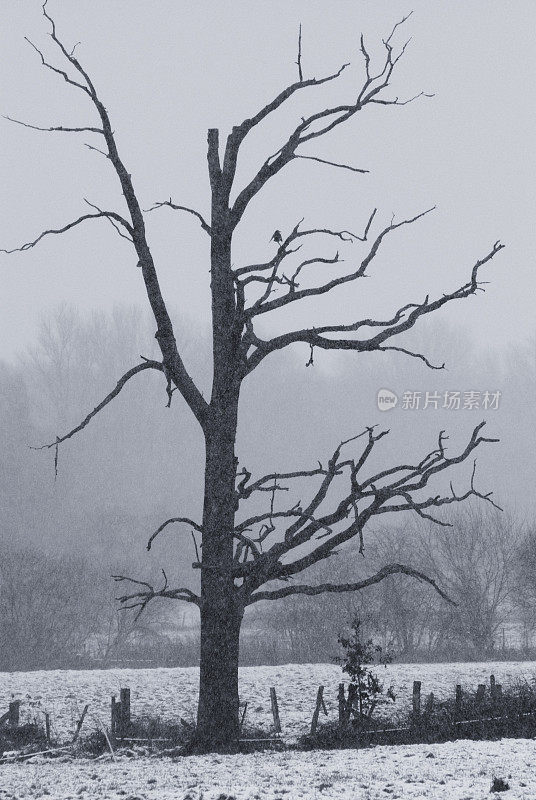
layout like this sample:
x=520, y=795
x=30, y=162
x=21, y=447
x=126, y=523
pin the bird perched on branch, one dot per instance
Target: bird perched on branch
x=277, y=238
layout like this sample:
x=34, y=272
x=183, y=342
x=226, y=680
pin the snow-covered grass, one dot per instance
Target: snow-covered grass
x=172, y=693
x=460, y=770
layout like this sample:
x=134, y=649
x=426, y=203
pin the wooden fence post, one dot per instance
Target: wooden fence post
x=342, y=704
x=242, y=718
x=480, y=693
x=47, y=728
x=492, y=686
x=324, y=709
x=14, y=713
x=429, y=703
x=275, y=710
x=81, y=722
x=124, y=712
x=352, y=692
x=114, y=717
x=416, y=702
x=316, y=712
x=458, y=701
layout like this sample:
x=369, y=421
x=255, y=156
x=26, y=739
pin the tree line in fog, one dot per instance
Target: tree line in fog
x=61, y=537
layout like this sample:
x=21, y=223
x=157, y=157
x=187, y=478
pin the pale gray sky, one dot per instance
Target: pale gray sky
x=169, y=69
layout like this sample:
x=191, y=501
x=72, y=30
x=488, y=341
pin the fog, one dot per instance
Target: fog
x=169, y=74
x=139, y=463
x=73, y=317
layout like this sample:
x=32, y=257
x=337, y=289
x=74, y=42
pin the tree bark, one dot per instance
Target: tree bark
x=218, y=714
x=222, y=607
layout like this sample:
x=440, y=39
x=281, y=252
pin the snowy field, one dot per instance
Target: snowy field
x=172, y=693
x=460, y=770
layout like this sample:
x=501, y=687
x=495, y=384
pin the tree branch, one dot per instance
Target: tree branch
x=413, y=355
x=294, y=296
x=364, y=498
x=285, y=250
x=60, y=128
x=398, y=102
x=119, y=385
x=165, y=333
x=58, y=71
x=239, y=132
x=378, y=496
x=243, y=491
x=333, y=164
x=270, y=515
x=311, y=127
x=142, y=598
x=112, y=215
x=110, y=219
x=206, y=227
x=298, y=62
x=401, y=321
x=161, y=527
x=323, y=588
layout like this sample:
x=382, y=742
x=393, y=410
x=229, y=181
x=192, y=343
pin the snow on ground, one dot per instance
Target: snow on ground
x=461, y=770
x=172, y=693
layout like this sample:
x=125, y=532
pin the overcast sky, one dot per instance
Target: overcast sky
x=169, y=69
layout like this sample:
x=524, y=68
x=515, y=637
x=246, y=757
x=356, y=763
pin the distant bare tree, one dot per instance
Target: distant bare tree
x=306, y=629
x=17, y=483
x=474, y=561
x=402, y=614
x=49, y=608
x=60, y=610
x=75, y=355
x=242, y=552
x=524, y=579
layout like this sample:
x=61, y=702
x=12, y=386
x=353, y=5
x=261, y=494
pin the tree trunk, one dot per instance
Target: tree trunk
x=218, y=717
x=222, y=607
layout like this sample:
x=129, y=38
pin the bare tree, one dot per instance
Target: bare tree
x=474, y=561
x=402, y=613
x=121, y=631
x=524, y=581
x=239, y=553
x=50, y=607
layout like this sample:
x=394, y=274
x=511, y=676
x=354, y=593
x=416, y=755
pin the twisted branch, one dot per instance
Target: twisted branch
x=142, y=598
x=108, y=399
x=185, y=520
x=111, y=215
x=206, y=227
x=323, y=588
x=136, y=229
x=333, y=164
x=365, y=498
x=314, y=126
x=403, y=320
x=60, y=128
x=293, y=296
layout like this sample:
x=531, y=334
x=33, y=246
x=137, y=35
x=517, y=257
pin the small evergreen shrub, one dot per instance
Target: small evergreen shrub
x=366, y=690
